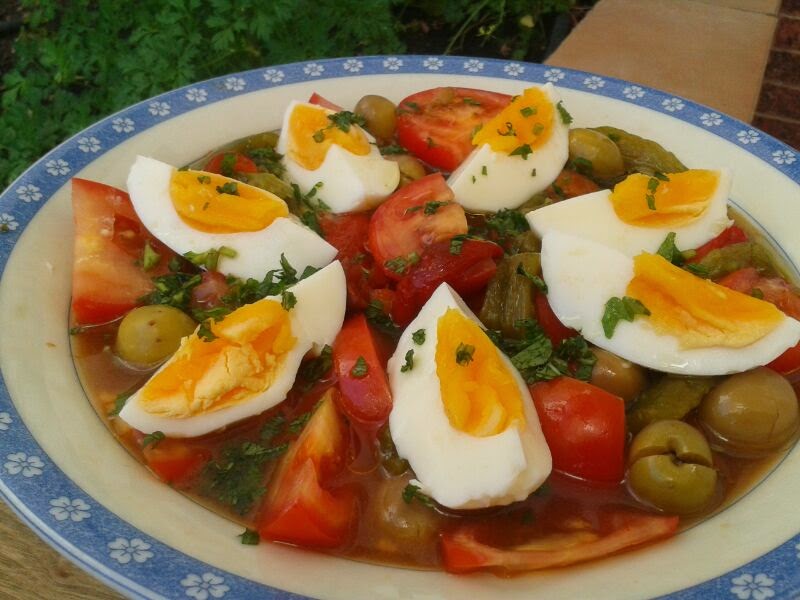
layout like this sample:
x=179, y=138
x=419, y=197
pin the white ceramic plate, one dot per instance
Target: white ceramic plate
x=66, y=476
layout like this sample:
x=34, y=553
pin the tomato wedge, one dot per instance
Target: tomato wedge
x=551, y=325
x=732, y=235
x=324, y=102
x=570, y=184
x=228, y=163
x=584, y=426
x=107, y=278
x=414, y=217
x=365, y=396
x=175, y=461
x=348, y=233
x=437, y=125
x=467, y=272
x=298, y=508
x=618, y=530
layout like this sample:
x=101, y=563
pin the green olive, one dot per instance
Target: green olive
x=751, y=413
x=149, y=334
x=400, y=520
x=379, y=114
x=598, y=149
x=410, y=168
x=617, y=375
x=671, y=468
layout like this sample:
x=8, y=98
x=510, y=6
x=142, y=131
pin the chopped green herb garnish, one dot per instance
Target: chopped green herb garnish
x=210, y=258
x=204, y=179
x=484, y=170
x=204, y=332
x=236, y=478
x=432, y=207
x=583, y=165
x=757, y=293
x=413, y=106
x=507, y=221
x=228, y=164
x=398, y=264
x=670, y=251
x=411, y=492
x=150, y=258
x=119, y=403
x=527, y=111
x=557, y=190
x=456, y=244
x=345, y=119
x=288, y=300
x=533, y=172
x=418, y=337
x=464, y=353
x=319, y=136
x=409, y=362
x=473, y=179
x=229, y=187
x=360, y=369
x=538, y=129
x=78, y=329
x=619, y=309
x=509, y=130
x=249, y=537
x=151, y=439
x=272, y=428
x=537, y=281
x=651, y=201
x=379, y=319
x=566, y=118
x=430, y=143
x=660, y=176
x=268, y=159
x=317, y=368
x=471, y=101
x=524, y=151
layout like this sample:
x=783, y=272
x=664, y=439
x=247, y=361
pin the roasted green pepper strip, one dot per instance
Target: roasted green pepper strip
x=509, y=296
x=269, y=182
x=641, y=155
x=672, y=397
x=721, y=261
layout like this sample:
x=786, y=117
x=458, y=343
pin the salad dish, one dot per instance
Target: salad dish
x=480, y=326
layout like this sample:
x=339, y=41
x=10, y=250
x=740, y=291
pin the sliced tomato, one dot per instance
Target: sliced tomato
x=584, y=426
x=772, y=289
x=365, y=391
x=467, y=272
x=348, y=233
x=551, y=325
x=437, y=125
x=107, y=277
x=401, y=228
x=570, y=184
x=732, y=235
x=299, y=508
x=174, y=461
x=324, y=102
x=239, y=163
x=618, y=530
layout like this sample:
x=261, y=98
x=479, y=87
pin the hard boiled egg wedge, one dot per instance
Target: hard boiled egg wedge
x=641, y=210
x=462, y=415
x=518, y=153
x=195, y=211
x=695, y=326
x=320, y=146
x=248, y=367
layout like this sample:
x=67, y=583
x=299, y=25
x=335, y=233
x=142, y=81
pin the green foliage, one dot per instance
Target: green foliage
x=78, y=61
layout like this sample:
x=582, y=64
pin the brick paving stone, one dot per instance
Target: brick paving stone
x=779, y=100
x=786, y=131
x=787, y=34
x=783, y=66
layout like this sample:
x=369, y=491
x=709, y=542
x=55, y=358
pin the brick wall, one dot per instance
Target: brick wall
x=778, y=111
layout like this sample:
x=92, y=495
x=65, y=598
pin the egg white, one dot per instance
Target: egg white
x=592, y=217
x=350, y=182
x=315, y=321
x=581, y=276
x=257, y=252
x=509, y=182
x=456, y=469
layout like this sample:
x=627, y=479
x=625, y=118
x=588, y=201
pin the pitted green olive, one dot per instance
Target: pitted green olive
x=617, y=375
x=149, y=334
x=411, y=169
x=379, y=114
x=751, y=413
x=599, y=150
x=671, y=468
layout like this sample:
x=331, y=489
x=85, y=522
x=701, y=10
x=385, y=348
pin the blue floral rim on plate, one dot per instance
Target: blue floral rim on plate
x=142, y=567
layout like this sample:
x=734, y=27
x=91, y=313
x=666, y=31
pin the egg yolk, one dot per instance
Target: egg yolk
x=312, y=133
x=698, y=312
x=480, y=395
x=248, y=351
x=217, y=204
x=528, y=120
x=675, y=199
